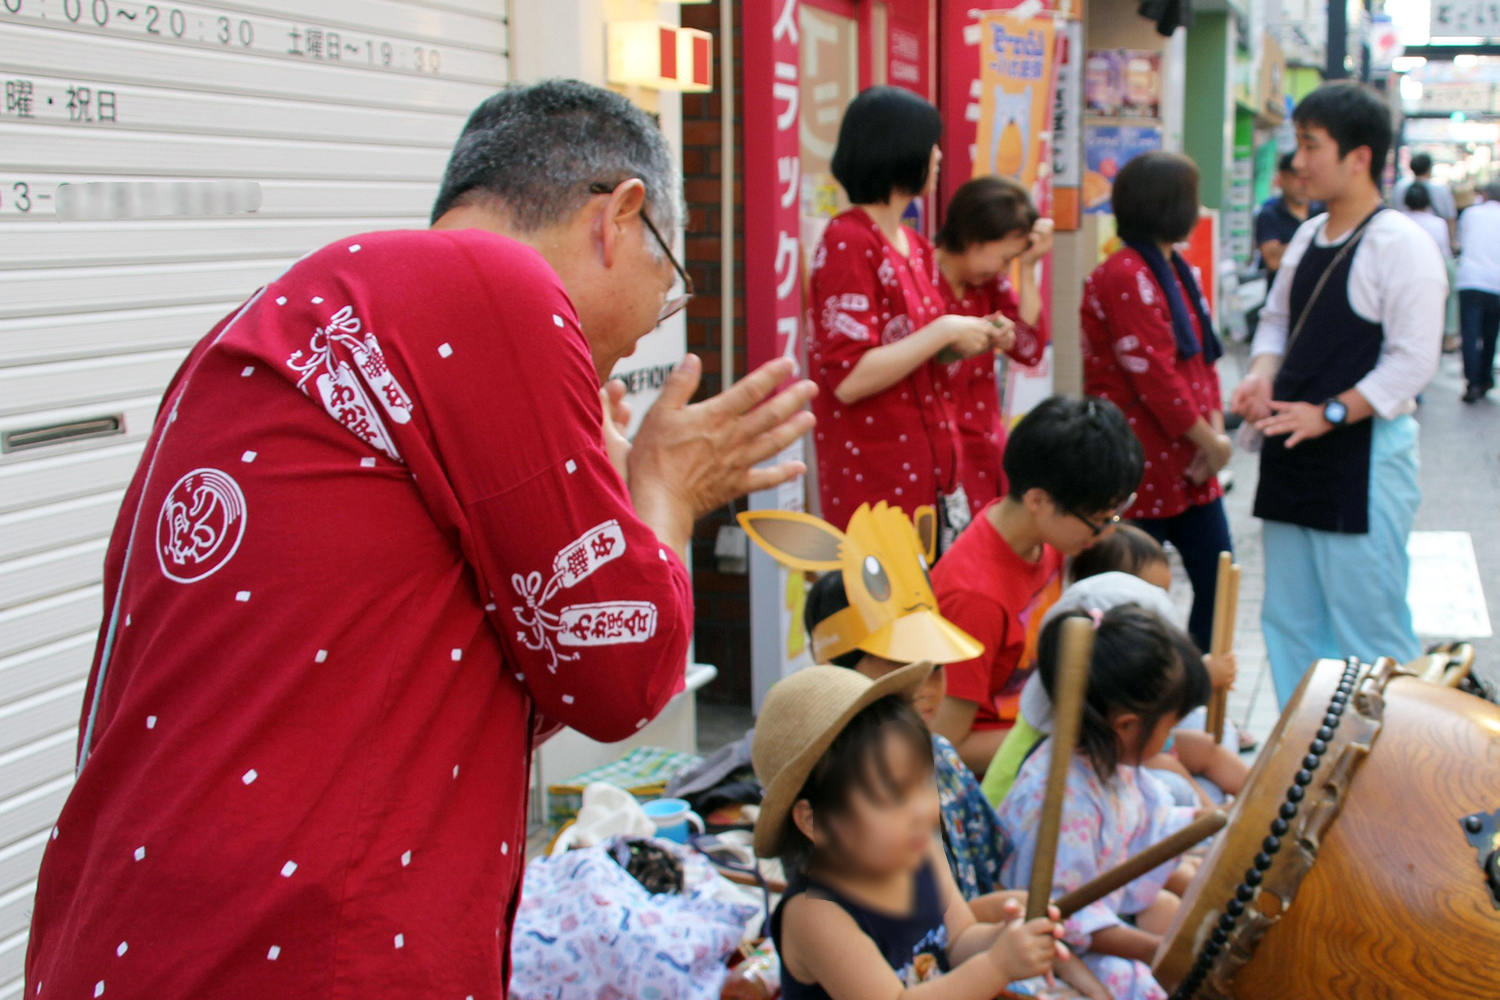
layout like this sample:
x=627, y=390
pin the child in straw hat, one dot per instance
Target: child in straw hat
x=871, y=908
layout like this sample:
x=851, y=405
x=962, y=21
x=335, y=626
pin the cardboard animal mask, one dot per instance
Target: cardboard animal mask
x=883, y=557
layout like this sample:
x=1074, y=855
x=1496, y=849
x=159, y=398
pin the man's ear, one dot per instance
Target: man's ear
x=622, y=204
x=1035, y=499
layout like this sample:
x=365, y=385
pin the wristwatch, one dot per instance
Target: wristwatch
x=1335, y=412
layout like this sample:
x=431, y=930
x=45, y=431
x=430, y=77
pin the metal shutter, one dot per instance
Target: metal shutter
x=345, y=119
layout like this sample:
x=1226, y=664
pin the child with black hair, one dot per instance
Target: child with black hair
x=871, y=908
x=1139, y=688
x=1073, y=466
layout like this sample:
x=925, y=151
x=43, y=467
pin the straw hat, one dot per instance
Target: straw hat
x=801, y=717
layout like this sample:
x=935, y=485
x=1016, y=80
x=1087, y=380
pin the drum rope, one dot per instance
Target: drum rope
x=1245, y=892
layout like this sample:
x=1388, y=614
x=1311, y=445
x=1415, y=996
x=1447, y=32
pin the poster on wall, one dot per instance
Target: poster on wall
x=775, y=114
x=1140, y=72
x=1103, y=85
x=1107, y=148
x=1067, y=127
x=1015, y=96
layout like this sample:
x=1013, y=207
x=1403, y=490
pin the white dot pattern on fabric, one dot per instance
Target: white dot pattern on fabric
x=248, y=457
x=400, y=940
x=641, y=724
x=274, y=953
x=99, y=988
x=54, y=833
x=455, y=770
x=557, y=319
x=354, y=248
x=405, y=858
x=521, y=678
x=572, y=466
x=127, y=621
x=317, y=300
x=123, y=948
x=504, y=847
x=288, y=868
x=368, y=463
x=140, y=853
x=457, y=655
x=321, y=657
x=567, y=699
x=281, y=300
x=150, y=722
x=247, y=371
x=249, y=776
x=243, y=596
x=489, y=607
x=445, y=350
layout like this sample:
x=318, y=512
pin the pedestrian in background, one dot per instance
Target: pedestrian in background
x=1441, y=194
x=1149, y=347
x=1478, y=281
x=1279, y=217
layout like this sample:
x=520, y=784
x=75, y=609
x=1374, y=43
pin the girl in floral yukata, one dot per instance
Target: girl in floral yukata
x=1139, y=688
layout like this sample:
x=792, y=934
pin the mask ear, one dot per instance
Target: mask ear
x=795, y=539
x=924, y=519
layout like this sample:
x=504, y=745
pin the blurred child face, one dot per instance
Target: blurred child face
x=1130, y=728
x=1158, y=574
x=928, y=697
x=883, y=832
x=1069, y=532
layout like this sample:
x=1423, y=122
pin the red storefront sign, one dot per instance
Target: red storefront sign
x=770, y=62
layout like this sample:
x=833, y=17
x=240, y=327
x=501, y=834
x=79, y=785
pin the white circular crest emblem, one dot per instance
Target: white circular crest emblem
x=200, y=526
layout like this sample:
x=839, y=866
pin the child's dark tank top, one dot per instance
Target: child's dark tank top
x=914, y=944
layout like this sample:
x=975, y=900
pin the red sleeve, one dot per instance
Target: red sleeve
x=984, y=619
x=504, y=441
x=848, y=303
x=1144, y=346
x=1031, y=338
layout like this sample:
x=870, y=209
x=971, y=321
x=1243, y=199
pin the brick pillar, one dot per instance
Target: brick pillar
x=722, y=601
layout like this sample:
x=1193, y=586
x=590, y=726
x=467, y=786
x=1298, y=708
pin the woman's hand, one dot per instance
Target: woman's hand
x=969, y=335
x=1210, y=459
x=1041, y=242
x=1003, y=336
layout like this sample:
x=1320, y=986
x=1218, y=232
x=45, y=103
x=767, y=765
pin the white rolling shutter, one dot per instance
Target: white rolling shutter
x=342, y=111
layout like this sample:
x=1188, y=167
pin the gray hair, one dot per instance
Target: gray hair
x=534, y=150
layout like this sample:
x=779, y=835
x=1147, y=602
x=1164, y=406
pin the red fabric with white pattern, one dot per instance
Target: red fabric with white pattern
x=347, y=609
x=973, y=391
x=1130, y=358
x=898, y=445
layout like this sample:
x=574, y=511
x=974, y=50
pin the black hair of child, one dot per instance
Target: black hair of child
x=826, y=598
x=984, y=210
x=1127, y=549
x=858, y=758
x=885, y=145
x=1421, y=164
x=1198, y=684
x=1137, y=667
x=1353, y=115
x=1079, y=450
x=1417, y=198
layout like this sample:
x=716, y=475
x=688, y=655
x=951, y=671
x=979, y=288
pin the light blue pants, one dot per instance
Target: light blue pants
x=1331, y=595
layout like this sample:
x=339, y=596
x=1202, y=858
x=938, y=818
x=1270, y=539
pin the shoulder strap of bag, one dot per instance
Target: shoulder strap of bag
x=1333, y=264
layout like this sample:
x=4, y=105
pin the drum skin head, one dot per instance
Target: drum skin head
x=1394, y=904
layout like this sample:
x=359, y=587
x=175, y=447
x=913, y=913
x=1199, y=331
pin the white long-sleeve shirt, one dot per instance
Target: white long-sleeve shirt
x=1397, y=279
x=1479, y=238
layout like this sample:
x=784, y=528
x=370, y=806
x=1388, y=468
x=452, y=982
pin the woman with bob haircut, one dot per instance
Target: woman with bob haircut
x=1149, y=346
x=990, y=225
x=885, y=432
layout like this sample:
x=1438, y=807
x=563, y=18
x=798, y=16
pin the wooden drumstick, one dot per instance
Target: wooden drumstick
x=1070, y=685
x=1151, y=858
x=1226, y=604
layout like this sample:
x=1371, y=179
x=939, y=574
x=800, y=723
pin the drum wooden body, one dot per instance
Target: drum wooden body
x=1374, y=888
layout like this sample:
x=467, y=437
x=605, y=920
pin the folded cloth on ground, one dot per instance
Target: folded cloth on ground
x=586, y=929
x=712, y=770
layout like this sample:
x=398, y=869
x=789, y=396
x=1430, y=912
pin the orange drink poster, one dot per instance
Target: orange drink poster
x=1015, y=104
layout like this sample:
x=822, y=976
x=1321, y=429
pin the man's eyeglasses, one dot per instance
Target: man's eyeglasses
x=1114, y=518
x=674, y=303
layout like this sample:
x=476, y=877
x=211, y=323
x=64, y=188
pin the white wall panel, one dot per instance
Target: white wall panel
x=344, y=113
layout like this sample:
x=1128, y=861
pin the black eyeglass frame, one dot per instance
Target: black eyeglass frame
x=1110, y=522
x=671, y=307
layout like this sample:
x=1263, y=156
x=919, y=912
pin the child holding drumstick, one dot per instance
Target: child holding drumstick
x=1139, y=687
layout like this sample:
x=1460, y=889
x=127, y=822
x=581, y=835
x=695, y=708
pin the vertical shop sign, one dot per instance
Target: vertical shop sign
x=1067, y=126
x=771, y=43
x=1015, y=96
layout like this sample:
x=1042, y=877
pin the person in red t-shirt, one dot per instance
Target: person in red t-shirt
x=884, y=430
x=1073, y=467
x=384, y=537
x=990, y=226
x=1149, y=347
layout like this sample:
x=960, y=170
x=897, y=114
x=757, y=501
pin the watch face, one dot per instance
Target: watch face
x=1335, y=411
